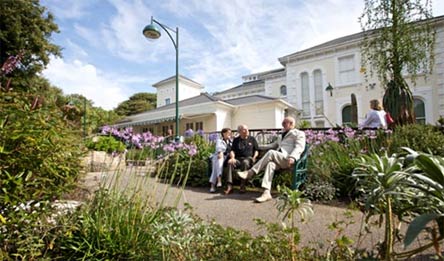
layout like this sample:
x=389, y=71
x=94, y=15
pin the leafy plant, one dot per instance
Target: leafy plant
x=105, y=143
x=384, y=186
x=323, y=191
x=428, y=171
x=418, y=137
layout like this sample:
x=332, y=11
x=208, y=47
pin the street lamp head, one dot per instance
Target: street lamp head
x=151, y=31
x=329, y=89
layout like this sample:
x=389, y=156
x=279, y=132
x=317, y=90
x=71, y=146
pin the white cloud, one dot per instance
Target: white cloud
x=69, y=9
x=244, y=37
x=82, y=78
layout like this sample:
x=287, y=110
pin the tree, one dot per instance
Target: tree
x=25, y=29
x=398, y=37
x=137, y=103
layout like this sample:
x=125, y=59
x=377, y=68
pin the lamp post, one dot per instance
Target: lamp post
x=84, y=117
x=329, y=89
x=151, y=31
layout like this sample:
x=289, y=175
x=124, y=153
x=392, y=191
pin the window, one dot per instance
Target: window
x=318, y=92
x=283, y=90
x=151, y=130
x=319, y=124
x=419, y=111
x=189, y=126
x=346, y=115
x=346, y=69
x=199, y=126
x=305, y=93
x=164, y=130
x=167, y=101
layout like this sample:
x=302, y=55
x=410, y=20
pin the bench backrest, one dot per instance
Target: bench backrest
x=300, y=168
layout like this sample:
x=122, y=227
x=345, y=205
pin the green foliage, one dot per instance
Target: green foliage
x=418, y=137
x=397, y=39
x=83, y=116
x=179, y=161
x=39, y=156
x=291, y=202
x=322, y=191
x=428, y=172
x=26, y=28
x=137, y=103
x=105, y=143
x=334, y=162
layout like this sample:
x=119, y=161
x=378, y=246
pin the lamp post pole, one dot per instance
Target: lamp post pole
x=84, y=117
x=152, y=32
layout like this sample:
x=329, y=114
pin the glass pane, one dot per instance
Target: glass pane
x=304, y=87
x=346, y=114
x=419, y=108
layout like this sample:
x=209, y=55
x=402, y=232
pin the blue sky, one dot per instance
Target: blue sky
x=107, y=59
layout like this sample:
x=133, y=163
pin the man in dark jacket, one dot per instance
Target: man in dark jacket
x=243, y=154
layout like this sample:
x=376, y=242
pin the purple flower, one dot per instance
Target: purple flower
x=189, y=133
x=192, y=151
x=213, y=137
x=200, y=133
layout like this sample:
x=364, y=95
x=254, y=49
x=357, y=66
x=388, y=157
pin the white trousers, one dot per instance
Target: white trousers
x=271, y=161
x=217, y=167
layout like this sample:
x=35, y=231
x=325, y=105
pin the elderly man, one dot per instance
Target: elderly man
x=244, y=151
x=282, y=154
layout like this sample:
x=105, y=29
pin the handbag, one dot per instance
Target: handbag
x=388, y=118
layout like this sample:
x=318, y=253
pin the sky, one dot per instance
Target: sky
x=106, y=58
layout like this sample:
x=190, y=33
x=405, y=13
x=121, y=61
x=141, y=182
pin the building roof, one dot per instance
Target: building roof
x=202, y=98
x=250, y=99
x=341, y=41
x=173, y=79
x=242, y=86
x=265, y=73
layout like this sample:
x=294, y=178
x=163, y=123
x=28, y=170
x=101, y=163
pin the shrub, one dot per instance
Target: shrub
x=39, y=155
x=178, y=163
x=105, y=143
x=418, y=137
x=322, y=191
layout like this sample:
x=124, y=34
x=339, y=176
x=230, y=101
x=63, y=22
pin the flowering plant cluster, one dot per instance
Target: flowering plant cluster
x=147, y=140
x=342, y=135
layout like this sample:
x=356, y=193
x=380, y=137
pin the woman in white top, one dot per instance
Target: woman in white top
x=223, y=147
x=375, y=118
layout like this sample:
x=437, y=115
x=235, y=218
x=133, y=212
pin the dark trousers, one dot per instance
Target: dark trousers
x=242, y=163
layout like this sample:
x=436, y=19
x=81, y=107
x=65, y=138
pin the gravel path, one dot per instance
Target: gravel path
x=239, y=211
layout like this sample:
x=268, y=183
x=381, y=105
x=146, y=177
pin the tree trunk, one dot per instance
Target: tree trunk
x=398, y=101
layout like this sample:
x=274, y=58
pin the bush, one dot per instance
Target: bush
x=180, y=160
x=322, y=191
x=105, y=143
x=418, y=137
x=39, y=161
x=39, y=155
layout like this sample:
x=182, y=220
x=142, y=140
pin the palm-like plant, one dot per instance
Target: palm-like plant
x=428, y=172
x=382, y=181
x=291, y=202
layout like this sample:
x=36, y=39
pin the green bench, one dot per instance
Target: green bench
x=299, y=172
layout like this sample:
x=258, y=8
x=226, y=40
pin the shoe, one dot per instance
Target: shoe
x=266, y=196
x=243, y=174
x=229, y=190
x=219, y=182
x=212, y=189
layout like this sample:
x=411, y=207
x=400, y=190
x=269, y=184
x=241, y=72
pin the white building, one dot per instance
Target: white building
x=298, y=88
